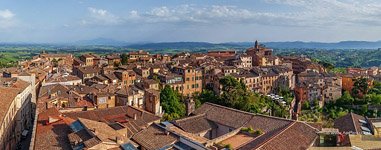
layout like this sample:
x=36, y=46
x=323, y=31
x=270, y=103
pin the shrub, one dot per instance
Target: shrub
x=228, y=146
x=258, y=132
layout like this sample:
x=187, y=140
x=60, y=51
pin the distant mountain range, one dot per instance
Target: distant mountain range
x=280, y=45
x=182, y=45
x=227, y=45
x=319, y=45
x=195, y=45
x=101, y=41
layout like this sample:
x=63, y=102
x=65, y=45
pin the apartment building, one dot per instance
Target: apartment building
x=192, y=78
x=127, y=77
x=86, y=72
x=16, y=111
x=152, y=101
x=113, y=59
x=240, y=61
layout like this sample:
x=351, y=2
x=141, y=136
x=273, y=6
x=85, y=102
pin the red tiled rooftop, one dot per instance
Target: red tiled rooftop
x=54, y=135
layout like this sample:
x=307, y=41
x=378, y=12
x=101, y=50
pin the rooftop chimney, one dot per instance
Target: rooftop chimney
x=135, y=116
x=95, y=132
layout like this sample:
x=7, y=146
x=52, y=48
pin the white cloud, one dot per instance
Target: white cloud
x=6, y=19
x=322, y=13
x=334, y=12
x=6, y=14
x=216, y=14
x=100, y=17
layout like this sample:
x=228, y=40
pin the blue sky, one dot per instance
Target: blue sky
x=62, y=21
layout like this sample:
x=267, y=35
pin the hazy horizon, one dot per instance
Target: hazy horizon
x=153, y=42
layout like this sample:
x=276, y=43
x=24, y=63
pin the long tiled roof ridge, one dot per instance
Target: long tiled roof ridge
x=353, y=120
x=228, y=108
x=279, y=118
x=190, y=117
x=306, y=123
x=273, y=137
x=263, y=138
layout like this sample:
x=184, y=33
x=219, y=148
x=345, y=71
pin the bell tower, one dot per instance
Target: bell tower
x=256, y=46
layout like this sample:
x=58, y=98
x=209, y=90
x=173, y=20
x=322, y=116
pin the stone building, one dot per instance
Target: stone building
x=16, y=111
x=262, y=56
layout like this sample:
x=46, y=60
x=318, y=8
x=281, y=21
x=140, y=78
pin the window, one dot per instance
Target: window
x=187, y=79
x=192, y=86
x=102, y=100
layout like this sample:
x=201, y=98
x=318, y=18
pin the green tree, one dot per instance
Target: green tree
x=327, y=65
x=207, y=96
x=124, y=57
x=376, y=89
x=360, y=87
x=233, y=92
x=55, y=62
x=306, y=105
x=345, y=99
x=171, y=103
x=316, y=103
x=374, y=99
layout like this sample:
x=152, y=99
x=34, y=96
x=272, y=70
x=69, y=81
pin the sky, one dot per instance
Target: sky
x=65, y=21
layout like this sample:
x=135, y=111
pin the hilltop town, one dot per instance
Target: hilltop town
x=222, y=99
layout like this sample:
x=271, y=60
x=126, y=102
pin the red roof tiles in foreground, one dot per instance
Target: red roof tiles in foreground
x=52, y=135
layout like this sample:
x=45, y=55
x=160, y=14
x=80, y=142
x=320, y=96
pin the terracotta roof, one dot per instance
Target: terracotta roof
x=349, y=123
x=224, y=115
x=261, y=139
x=131, y=90
x=101, y=130
x=8, y=93
x=54, y=135
x=45, y=90
x=82, y=89
x=100, y=78
x=299, y=135
x=88, y=55
x=89, y=69
x=121, y=114
x=150, y=81
x=111, y=76
x=61, y=78
x=154, y=137
x=267, y=123
x=140, y=52
x=7, y=97
x=113, y=56
x=195, y=124
x=238, y=140
x=14, y=83
x=278, y=133
x=79, y=136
